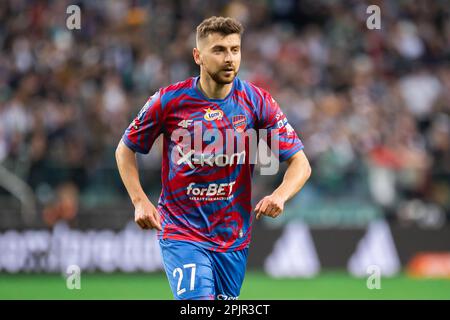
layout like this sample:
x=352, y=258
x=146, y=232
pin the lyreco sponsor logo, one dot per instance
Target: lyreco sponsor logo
x=210, y=192
x=225, y=297
x=220, y=160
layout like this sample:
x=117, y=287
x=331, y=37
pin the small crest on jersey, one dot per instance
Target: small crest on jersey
x=239, y=122
x=212, y=115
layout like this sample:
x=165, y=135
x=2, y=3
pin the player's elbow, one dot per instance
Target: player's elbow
x=123, y=152
x=306, y=168
x=301, y=164
x=308, y=171
x=120, y=151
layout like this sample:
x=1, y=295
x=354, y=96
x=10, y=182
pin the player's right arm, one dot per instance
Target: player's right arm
x=139, y=137
x=145, y=213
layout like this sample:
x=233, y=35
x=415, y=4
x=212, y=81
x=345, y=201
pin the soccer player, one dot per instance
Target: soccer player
x=204, y=214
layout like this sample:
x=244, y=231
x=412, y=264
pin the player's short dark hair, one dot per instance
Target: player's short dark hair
x=222, y=25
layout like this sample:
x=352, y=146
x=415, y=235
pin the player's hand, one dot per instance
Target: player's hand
x=271, y=206
x=146, y=215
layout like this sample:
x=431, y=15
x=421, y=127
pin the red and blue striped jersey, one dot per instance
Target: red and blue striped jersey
x=208, y=159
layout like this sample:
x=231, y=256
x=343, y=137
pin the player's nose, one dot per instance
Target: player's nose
x=228, y=57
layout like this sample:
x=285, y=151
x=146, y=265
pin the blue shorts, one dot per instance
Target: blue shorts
x=195, y=273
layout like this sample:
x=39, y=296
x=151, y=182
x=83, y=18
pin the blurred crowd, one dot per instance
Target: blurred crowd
x=371, y=106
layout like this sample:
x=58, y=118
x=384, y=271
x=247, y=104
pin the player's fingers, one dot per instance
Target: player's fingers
x=257, y=210
x=264, y=206
x=270, y=211
x=141, y=223
x=276, y=212
x=146, y=221
x=277, y=207
x=137, y=220
x=257, y=207
x=157, y=220
x=153, y=223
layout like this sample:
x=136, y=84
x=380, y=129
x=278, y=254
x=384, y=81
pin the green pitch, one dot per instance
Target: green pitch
x=328, y=285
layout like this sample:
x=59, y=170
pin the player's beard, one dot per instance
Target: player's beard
x=220, y=78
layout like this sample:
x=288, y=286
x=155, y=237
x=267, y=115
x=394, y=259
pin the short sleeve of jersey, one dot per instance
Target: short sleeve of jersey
x=278, y=129
x=146, y=127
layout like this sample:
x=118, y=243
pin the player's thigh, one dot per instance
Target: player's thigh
x=229, y=272
x=188, y=269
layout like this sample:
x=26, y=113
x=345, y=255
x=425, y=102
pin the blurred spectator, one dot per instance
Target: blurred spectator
x=64, y=207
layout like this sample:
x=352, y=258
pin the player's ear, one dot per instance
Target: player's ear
x=196, y=54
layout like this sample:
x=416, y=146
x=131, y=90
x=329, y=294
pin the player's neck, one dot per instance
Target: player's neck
x=212, y=89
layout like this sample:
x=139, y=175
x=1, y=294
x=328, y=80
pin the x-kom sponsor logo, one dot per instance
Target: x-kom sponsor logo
x=196, y=147
x=220, y=151
x=220, y=160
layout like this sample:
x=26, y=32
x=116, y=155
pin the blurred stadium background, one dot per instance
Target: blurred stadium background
x=372, y=107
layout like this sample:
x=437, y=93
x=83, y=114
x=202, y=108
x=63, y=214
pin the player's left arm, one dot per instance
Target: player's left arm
x=295, y=177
